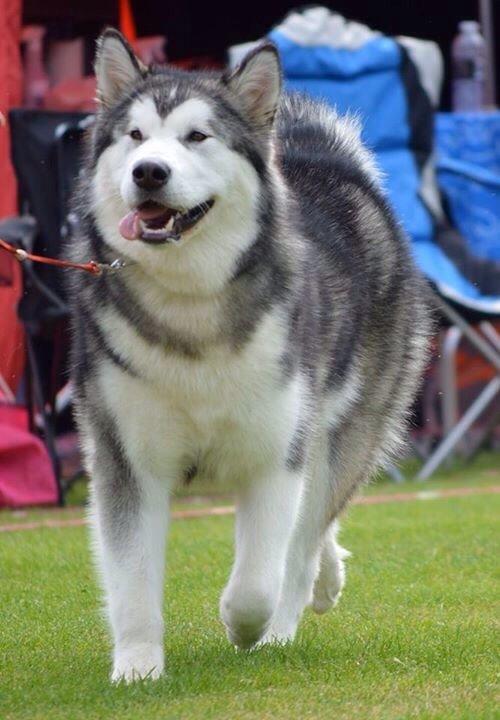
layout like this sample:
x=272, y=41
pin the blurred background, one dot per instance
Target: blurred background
x=204, y=30
x=421, y=77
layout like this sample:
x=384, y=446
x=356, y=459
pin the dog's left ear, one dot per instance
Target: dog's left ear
x=256, y=84
x=116, y=67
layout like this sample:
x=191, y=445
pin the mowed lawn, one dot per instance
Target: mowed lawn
x=414, y=635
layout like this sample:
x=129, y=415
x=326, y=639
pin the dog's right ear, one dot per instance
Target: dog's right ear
x=116, y=67
x=256, y=84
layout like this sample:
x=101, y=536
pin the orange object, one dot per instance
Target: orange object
x=127, y=22
x=11, y=332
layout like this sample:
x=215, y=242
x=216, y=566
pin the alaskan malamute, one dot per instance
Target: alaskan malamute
x=268, y=327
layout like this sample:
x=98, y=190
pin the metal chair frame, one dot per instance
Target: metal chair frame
x=486, y=340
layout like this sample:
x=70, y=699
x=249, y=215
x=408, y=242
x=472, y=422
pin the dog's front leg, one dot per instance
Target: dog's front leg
x=266, y=515
x=130, y=523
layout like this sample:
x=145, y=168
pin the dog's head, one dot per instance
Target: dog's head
x=176, y=152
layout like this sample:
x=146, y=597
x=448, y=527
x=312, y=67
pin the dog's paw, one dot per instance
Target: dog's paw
x=281, y=632
x=330, y=581
x=246, y=615
x=138, y=662
x=326, y=595
x=245, y=637
x=275, y=638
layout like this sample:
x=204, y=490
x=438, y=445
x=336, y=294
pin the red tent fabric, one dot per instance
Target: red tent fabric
x=26, y=473
x=11, y=334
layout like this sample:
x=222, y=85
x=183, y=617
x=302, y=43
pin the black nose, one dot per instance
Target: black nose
x=150, y=175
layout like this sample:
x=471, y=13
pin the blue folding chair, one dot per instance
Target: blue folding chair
x=393, y=85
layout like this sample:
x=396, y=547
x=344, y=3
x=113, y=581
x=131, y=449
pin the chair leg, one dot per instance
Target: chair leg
x=483, y=435
x=49, y=435
x=469, y=417
x=448, y=378
x=394, y=473
x=490, y=352
x=491, y=334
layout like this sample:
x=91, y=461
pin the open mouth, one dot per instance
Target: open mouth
x=156, y=224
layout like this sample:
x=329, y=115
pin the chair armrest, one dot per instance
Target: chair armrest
x=19, y=230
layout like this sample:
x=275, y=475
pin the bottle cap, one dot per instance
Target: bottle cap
x=469, y=26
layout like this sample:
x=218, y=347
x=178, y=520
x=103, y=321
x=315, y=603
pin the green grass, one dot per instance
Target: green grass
x=413, y=636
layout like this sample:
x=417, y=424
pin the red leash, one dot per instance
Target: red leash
x=91, y=267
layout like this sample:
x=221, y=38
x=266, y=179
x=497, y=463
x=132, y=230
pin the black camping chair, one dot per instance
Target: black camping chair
x=46, y=149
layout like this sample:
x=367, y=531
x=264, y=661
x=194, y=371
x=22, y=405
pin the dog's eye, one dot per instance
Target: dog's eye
x=136, y=134
x=196, y=136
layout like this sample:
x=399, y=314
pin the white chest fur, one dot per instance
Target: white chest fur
x=229, y=412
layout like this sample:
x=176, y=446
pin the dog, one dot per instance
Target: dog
x=266, y=325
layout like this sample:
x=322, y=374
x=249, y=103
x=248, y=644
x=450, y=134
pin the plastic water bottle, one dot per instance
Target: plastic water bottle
x=468, y=67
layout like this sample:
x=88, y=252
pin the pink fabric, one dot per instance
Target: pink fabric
x=73, y=95
x=26, y=474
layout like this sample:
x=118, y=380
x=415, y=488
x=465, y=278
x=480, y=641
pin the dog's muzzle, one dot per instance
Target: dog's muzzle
x=157, y=224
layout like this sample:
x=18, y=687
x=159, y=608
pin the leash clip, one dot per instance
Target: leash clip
x=117, y=264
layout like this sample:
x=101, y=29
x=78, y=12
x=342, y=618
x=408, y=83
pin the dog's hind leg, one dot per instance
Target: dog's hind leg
x=340, y=461
x=313, y=551
x=331, y=576
x=302, y=568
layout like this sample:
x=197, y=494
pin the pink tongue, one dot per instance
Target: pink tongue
x=129, y=226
